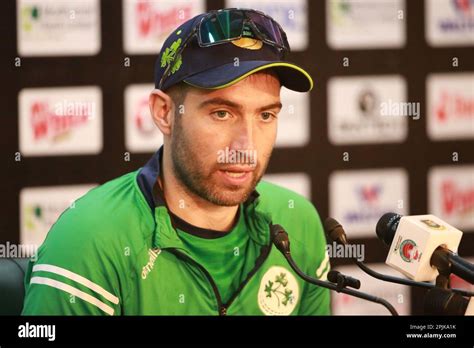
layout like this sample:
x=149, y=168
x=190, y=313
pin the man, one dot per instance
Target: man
x=189, y=233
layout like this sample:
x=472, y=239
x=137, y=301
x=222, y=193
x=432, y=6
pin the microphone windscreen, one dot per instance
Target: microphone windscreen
x=387, y=226
x=332, y=228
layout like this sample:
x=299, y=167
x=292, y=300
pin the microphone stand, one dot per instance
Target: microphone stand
x=281, y=241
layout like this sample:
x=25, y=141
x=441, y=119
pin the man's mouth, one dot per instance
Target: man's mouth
x=236, y=175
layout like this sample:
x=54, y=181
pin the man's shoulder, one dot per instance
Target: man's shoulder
x=111, y=211
x=90, y=252
x=291, y=210
x=280, y=199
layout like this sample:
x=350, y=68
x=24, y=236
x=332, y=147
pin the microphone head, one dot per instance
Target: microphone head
x=413, y=240
x=332, y=276
x=387, y=226
x=346, y=281
x=334, y=231
x=280, y=238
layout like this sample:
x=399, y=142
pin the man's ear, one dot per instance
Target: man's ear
x=161, y=106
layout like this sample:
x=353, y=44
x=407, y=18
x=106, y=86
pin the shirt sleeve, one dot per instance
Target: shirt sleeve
x=73, y=273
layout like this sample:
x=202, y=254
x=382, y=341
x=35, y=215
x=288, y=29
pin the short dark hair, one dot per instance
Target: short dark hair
x=178, y=93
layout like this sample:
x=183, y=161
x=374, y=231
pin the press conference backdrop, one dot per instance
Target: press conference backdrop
x=389, y=125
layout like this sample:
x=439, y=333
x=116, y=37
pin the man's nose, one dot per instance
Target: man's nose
x=243, y=138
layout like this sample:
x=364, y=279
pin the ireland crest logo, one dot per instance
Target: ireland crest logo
x=279, y=292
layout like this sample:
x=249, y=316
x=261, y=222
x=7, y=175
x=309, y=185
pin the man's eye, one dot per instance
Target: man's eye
x=267, y=116
x=221, y=114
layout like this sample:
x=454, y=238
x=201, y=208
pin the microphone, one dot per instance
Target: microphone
x=421, y=247
x=439, y=301
x=282, y=243
x=343, y=280
x=335, y=232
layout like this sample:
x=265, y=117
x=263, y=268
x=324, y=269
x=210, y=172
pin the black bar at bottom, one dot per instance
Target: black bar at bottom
x=381, y=330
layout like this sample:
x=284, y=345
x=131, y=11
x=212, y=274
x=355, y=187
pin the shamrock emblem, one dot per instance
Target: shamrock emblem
x=169, y=57
x=284, y=297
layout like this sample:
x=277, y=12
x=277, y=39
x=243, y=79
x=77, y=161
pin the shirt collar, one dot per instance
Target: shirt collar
x=147, y=180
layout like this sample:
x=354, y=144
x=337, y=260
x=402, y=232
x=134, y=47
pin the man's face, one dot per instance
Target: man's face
x=222, y=142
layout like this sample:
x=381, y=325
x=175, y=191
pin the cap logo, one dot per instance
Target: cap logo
x=248, y=40
x=169, y=55
x=248, y=43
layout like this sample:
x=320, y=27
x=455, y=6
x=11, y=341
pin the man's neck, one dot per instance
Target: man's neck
x=192, y=208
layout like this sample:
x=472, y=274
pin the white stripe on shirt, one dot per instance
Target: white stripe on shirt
x=73, y=291
x=78, y=279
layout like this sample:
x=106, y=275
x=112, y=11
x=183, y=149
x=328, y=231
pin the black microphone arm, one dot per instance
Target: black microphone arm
x=441, y=301
x=335, y=232
x=448, y=262
x=282, y=243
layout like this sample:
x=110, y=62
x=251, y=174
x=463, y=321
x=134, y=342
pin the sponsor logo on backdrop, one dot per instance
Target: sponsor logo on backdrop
x=293, y=119
x=40, y=207
x=451, y=195
x=398, y=295
x=49, y=123
x=58, y=28
x=141, y=133
x=449, y=22
x=357, y=199
x=365, y=24
x=374, y=110
x=292, y=15
x=450, y=104
x=60, y=121
x=147, y=23
x=143, y=120
x=297, y=182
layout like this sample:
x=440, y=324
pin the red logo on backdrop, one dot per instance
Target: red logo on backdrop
x=456, y=200
x=46, y=123
x=463, y=6
x=370, y=194
x=454, y=106
x=143, y=119
x=150, y=20
x=370, y=208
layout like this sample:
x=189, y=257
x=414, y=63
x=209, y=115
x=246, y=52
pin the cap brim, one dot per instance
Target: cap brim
x=291, y=76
